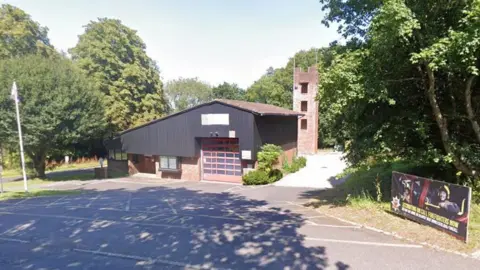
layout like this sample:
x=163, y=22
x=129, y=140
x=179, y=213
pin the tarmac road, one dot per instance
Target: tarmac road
x=131, y=223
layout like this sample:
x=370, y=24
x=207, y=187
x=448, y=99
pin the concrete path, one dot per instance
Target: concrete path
x=132, y=223
x=319, y=173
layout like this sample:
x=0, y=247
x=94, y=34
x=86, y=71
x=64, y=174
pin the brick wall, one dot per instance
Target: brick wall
x=116, y=167
x=307, y=134
x=190, y=170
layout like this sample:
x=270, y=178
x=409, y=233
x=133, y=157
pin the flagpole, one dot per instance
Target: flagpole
x=22, y=157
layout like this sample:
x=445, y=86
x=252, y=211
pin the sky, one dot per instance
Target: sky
x=215, y=40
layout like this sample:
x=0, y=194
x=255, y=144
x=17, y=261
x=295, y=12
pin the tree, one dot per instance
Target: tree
x=58, y=106
x=184, y=93
x=114, y=56
x=228, y=91
x=20, y=35
x=276, y=85
x=412, y=84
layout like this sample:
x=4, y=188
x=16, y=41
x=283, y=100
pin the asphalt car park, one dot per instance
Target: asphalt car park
x=159, y=224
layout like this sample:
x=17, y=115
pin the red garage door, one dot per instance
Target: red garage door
x=221, y=160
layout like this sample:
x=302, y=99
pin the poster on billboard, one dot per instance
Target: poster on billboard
x=438, y=204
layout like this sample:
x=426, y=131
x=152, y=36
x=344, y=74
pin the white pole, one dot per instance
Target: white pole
x=22, y=157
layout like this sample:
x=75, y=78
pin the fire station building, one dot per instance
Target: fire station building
x=218, y=140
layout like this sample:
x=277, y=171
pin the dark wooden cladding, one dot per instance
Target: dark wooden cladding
x=178, y=135
x=279, y=130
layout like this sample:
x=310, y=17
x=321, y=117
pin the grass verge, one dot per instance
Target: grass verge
x=36, y=193
x=355, y=201
x=64, y=167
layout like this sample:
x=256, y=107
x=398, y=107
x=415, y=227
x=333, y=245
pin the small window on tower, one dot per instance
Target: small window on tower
x=303, y=124
x=304, y=88
x=304, y=106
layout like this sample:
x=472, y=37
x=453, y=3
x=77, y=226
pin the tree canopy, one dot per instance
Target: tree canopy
x=114, y=56
x=408, y=88
x=184, y=93
x=58, y=106
x=228, y=91
x=20, y=35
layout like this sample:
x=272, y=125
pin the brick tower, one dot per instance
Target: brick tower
x=304, y=94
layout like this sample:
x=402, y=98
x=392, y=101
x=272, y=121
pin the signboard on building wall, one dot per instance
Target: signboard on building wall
x=438, y=204
x=246, y=154
x=215, y=119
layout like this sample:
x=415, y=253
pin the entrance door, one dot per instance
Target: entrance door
x=221, y=160
x=148, y=165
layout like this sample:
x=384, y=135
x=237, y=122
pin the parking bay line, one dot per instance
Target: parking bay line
x=13, y=240
x=144, y=259
x=127, y=207
x=363, y=243
x=240, y=217
x=208, y=229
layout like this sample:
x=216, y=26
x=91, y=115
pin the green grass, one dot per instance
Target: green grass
x=71, y=166
x=49, y=180
x=36, y=193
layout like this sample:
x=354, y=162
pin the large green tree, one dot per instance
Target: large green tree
x=409, y=88
x=20, y=35
x=114, y=57
x=228, y=91
x=184, y=93
x=58, y=106
x=276, y=85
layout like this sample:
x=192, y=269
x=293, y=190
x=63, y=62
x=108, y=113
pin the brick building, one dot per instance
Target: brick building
x=304, y=94
x=219, y=140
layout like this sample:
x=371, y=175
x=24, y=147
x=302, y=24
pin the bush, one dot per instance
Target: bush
x=268, y=157
x=302, y=161
x=275, y=175
x=297, y=164
x=256, y=177
x=259, y=177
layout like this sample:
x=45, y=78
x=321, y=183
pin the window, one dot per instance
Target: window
x=304, y=106
x=303, y=124
x=304, y=88
x=169, y=163
x=117, y=154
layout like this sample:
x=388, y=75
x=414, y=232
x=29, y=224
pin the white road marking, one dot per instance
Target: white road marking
x=14, y=240
x=476, y=254
x=94, y=199
x=322, y=216
x=230, y=189
x=57, y=200
x=127, y=207
x=171, y=207
x=145, y=259
x=195, y=227
x=19, y=202
x=233, y=213
x=380, y=244
x=97, y=219
x=311, y=223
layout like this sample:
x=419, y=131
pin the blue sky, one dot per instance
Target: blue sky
x=214, y=40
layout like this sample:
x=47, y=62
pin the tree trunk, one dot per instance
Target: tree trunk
x=442, y=125
x=39, y=164
x=468, y=104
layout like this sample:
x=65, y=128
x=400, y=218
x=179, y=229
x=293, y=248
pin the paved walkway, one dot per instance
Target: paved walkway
x=319, y=173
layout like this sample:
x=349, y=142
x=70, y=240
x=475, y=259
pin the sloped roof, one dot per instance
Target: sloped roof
x=252, y=107
x=259, y=108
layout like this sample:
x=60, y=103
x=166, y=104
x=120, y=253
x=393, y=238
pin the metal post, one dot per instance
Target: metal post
x=20, y=137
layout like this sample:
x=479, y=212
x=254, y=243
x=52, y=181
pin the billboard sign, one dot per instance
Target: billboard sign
x=438, y=204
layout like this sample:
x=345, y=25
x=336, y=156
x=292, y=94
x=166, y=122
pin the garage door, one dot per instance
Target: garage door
x=221, y=160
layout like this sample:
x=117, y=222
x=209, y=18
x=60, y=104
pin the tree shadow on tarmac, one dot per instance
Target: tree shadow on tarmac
x=154, y=228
